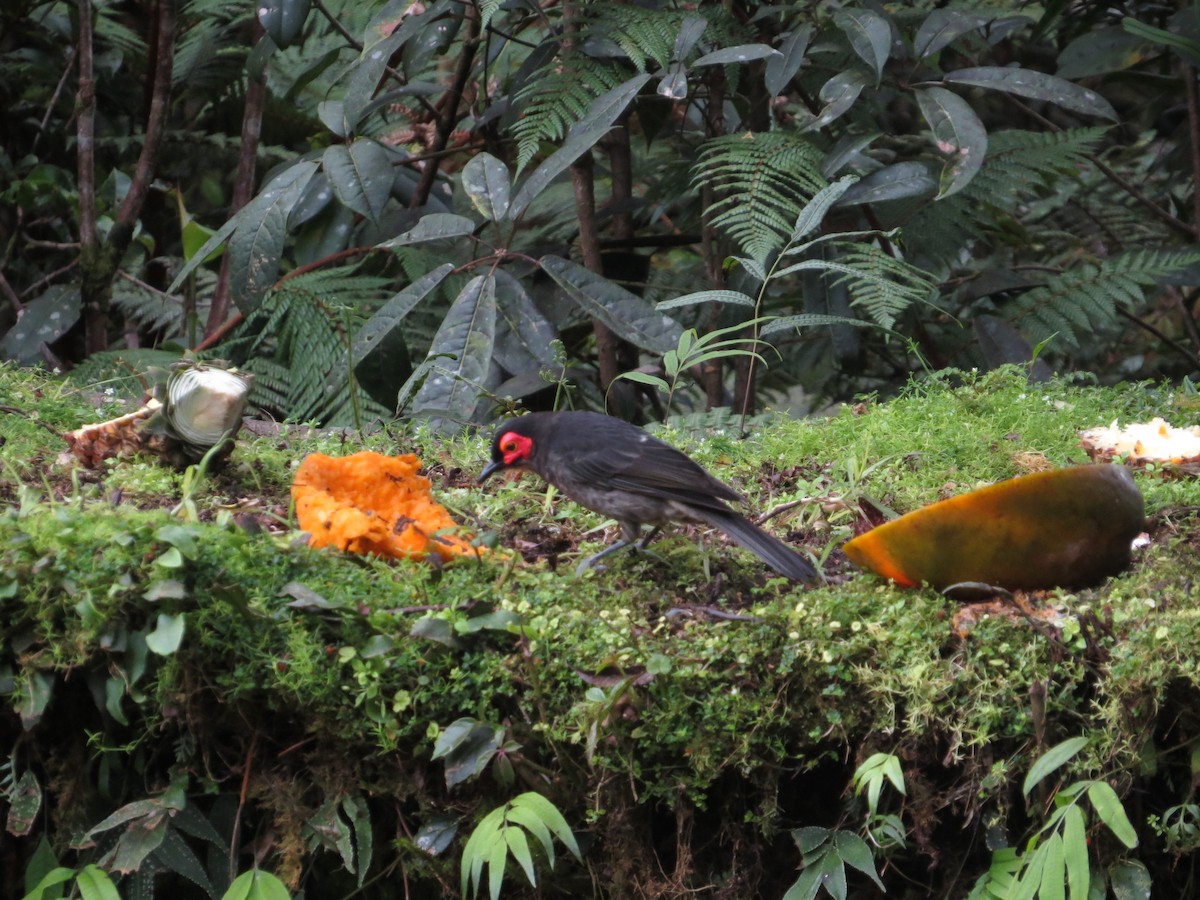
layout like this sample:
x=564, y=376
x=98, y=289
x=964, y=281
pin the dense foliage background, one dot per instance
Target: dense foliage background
x=427, y=213
x=436, y=208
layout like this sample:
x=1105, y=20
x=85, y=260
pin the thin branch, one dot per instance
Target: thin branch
x=448, y=116
x=243, y=182
x=1119, y=180
x=584, y=183
x=1188, y=74
x=156, y=126
x=62, y=83
x=85, y=136
x=338, y=26
x=1166, y=339
x=7, y=290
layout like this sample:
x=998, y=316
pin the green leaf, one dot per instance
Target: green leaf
x=167, y=634
x=518, y=846
x=53, y=878
x=479, y=845
x=870, y=35
x=497, y=857
x=958, y=134
x=433, y=227
x=34, y=697
x=628, y=315
x=24, y=801
x=1075, y=852
x=898, y=181
x=855, y=853
x=739, y=54
x=472, y=753
x=838, y=95
x=175, y=855
x=383, y=38
x=283, y=20
x=1053, y=882
x=361, y=176
x=523, y=334
x=436, y=834
x=41, y=866
x=735, y=298
x=782, y=67
x=1108, y=807
x=183, y=537
x=452, y=735
x=44, y=321
x=814, y=210
x=548, y=813
x=466, y=336
x=810, y=837
x=527, y=818
x=1036, y=86
x=1111, y=48
x=486, y=181
x=582, y=136
x=1051, y=761
x=1030, y=881
x=646, y=378
x=94, y=884
x=257, y=885
x=944, y=26
x=373, y=346
x=1129, y=880
x=806, y=886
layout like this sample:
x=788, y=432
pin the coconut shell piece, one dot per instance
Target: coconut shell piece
x=371, y=503
x=1068, y=527
x=1142, y=443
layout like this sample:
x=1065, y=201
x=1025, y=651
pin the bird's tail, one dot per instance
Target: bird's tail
x=774, y=552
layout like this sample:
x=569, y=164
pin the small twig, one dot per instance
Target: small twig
x=7, y=290
x=338, y=26
x=37, y=286
x=237, y=819
x=781, y=508
x=1188, y=74
x=1117, y=179
x=1166, y=339
x=62, y=82
x=448, y=115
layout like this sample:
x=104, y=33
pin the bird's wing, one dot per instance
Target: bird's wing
x=649, y=466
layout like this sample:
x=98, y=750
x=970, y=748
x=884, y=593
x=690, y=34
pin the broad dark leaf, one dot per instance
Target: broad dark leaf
x=44, y=321
x=486, y=181
x=627, y=314
x=894, y=182
x=958, y=134
x=869, y=33
x=523, y=333
x=361, y=175
x=944, y=26
x=604, y=110
x=838, y=94
x=283, y=20
x=1036, y=86
x=461, y=353
x=782, y=68
x=739, y=54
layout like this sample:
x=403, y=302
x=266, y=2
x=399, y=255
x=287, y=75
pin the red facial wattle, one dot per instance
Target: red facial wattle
x=515, y=447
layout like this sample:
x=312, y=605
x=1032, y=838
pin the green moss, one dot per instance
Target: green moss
x=623, y=677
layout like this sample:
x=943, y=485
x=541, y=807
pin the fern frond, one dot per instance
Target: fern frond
x=763, y=179
x=643, y=33
x=1019, y=161
x=557, y=96
x=297, y=344
x=1087, y=297
x=881, y=284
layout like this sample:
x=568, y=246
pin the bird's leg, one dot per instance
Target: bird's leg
x=629, y=538
x=645, y=542
x=590, y=561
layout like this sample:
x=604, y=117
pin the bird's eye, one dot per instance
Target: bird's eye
x=509, y=446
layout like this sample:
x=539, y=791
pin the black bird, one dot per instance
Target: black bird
x=620, y=471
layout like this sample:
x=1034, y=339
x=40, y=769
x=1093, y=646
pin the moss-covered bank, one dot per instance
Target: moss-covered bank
x=684, y=717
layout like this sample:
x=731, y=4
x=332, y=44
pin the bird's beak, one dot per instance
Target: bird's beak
x=488, y=471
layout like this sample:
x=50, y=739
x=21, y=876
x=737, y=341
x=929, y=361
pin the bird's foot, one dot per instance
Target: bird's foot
x=638, y=547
